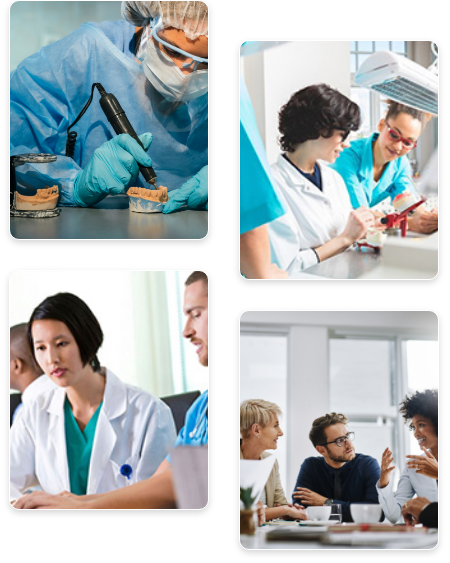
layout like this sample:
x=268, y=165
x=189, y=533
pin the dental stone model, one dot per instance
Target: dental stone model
x=404, y=201
x=46, y=198
x=143, y=200
x=375, y=237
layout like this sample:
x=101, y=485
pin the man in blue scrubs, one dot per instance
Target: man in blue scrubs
x=157, y=491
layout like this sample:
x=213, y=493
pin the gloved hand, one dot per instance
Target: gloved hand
x=111, y=168
x=193, y=193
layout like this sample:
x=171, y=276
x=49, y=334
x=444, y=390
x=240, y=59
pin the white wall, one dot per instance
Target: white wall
x=307, y=393
x=275, y=74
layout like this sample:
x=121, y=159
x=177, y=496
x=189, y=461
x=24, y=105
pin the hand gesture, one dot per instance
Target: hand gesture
x=386, y=461
x=424, y=465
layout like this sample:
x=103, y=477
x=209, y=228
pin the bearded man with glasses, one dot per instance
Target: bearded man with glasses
x=339, y=475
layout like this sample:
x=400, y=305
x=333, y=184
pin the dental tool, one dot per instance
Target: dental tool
x=119, y=122
x=392, y=220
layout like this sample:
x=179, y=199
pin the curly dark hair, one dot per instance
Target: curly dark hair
x=313, y=112
x=424, y=403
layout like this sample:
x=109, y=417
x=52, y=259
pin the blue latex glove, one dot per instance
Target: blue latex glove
x=193, y=193
x=111, y=168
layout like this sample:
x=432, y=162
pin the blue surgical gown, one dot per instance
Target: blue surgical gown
x=259, y=201
x=355, y=165
x=195, y=429
x=50, y=88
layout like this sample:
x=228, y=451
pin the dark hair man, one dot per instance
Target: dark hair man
x=339, y=476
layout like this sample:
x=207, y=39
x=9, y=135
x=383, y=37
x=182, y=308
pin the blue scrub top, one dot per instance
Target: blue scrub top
x=195, y=429
x=259, y=201
x=79, y=444
x=355, y=165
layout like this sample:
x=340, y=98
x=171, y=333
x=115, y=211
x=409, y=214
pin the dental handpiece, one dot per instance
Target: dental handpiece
x=119, y=122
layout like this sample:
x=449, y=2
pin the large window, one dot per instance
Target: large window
x=362, y=387
x=369, y=377
x=188, y=373
x=264, y=376
x=422, y=361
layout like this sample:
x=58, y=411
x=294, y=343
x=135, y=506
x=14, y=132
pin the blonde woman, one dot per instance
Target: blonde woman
x=260, y=430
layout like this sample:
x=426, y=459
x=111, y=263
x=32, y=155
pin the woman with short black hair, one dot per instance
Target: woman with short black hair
x=320, y=222
x=92, y=433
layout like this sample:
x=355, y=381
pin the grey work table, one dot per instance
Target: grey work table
x=354, y=263
x=111, y=219
x=347, y=265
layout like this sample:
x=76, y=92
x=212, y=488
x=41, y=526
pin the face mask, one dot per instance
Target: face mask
x=168, y=79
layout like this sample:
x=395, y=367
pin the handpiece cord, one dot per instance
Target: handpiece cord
x=72, y=136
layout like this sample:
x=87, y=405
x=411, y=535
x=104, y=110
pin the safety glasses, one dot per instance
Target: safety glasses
x=192, y=61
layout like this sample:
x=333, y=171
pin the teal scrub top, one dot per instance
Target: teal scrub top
x=195, y=429
x=259, y=201
x=355, y=165
x=79, y=448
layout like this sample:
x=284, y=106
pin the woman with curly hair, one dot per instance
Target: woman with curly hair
x=320, y=221
x=420, y=475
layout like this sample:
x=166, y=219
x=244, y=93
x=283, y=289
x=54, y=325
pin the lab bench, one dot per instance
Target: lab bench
x=412, y=257
x=111, y=219
x=348, y=265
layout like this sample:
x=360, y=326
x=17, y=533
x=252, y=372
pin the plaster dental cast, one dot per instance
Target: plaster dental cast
x=91, y=433
x=157, y=491
x=320, y=221
x=377, y=167
x=156, y=64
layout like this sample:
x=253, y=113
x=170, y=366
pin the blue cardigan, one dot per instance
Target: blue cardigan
x=358, y=480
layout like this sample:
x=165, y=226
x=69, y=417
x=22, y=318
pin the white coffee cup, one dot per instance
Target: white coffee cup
x=318, y=512
x=365, y=513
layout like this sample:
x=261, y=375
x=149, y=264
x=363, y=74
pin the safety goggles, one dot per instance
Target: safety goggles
x=192, y=61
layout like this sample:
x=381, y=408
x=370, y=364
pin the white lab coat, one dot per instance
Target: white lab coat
x=313, y=216
x=41, y=384
x=133, y=428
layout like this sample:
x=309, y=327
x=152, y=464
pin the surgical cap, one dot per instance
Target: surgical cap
x=190, y=17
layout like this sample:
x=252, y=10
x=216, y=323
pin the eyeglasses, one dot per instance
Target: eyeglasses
x=394, y=136
x=346, y=133
x=341, y=441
